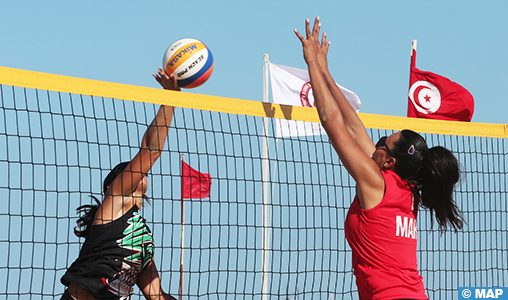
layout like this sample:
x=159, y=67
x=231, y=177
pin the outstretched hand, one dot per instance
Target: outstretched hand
x=313, y=50
x=167, y=82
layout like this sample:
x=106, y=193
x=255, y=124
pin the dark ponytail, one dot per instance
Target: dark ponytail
x=440, y=172
x=89, y=210
x=86, y=220
x=432, y=175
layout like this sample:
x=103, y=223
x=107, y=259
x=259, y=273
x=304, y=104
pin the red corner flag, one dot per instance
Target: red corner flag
x=433, y=96
x=195, y=185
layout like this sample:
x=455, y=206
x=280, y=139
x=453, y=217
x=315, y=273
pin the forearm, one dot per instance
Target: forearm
x=351, y=119
x=156, y=134
x=329, y=111
x=336, y=114
x=352, y=122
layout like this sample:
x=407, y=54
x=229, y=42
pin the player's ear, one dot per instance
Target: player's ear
x=390, y=163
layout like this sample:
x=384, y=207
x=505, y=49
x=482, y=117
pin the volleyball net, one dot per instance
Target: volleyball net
x=273, y=226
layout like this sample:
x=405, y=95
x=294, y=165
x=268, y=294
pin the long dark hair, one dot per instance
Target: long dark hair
x=432, y=174
x=88, y=211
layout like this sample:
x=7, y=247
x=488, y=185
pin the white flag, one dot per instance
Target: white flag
x=291, y=86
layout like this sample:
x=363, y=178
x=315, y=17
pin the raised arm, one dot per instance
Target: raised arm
x=118, y=197
x=365, y=171
x=153, y=139
x=352, y=121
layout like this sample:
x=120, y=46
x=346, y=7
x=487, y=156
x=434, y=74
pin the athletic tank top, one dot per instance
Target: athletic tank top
x=112, y=257
x=383, y=240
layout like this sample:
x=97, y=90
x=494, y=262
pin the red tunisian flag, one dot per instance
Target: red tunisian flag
x=433, y=96
x=195, y=185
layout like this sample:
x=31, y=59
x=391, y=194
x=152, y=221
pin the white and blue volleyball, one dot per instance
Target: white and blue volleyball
x=190, y=61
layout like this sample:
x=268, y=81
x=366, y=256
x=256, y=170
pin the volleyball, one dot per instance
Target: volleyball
x=190, y=61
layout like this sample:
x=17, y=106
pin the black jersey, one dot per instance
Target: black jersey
x=112, y=257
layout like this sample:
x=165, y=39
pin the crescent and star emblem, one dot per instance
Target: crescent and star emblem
x=425, y=97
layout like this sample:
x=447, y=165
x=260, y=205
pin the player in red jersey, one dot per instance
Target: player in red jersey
x=393, y=178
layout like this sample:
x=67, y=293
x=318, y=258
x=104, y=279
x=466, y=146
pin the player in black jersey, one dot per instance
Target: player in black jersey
x=118, y=249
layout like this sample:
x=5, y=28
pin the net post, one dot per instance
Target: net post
x=182, y=234
x=266, y=182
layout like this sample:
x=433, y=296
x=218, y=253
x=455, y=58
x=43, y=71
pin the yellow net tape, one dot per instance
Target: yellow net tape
x=74, y=85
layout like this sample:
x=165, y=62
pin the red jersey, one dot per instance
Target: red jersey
x=383, y=240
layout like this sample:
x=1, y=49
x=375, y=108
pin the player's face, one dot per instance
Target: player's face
x=382, y=144
x=384, y=148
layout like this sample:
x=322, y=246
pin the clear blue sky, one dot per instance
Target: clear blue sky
x=124, y=41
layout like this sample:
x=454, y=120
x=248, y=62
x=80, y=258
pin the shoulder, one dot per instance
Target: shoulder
x=398, y=191
x=392, y=179
x=108, y=212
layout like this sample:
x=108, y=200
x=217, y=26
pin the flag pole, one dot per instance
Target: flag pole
x=413, y=46
x=182, y=157
x=265, y=180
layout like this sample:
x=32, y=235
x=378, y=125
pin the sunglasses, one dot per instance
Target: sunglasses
x=382, y=143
